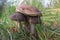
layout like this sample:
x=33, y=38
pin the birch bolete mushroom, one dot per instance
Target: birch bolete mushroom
x=32, y=13
x=18, y=17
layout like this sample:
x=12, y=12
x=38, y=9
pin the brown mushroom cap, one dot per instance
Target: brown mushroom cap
x=28, y=10
x=17, y=16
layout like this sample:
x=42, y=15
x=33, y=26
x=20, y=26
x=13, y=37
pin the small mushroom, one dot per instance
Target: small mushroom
x=18, y=17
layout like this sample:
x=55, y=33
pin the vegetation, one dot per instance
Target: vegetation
x=49, y=30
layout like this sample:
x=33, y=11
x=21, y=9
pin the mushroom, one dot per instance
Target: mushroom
x=32, y=13
x=17, y=16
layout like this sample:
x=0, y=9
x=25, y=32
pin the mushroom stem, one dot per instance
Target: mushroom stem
x=33, y=33
x=27, y=27
x=32, y=28
x=19, y=26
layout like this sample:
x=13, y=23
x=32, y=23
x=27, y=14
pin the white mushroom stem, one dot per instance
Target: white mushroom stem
x=17, y=23
x=32, y=28
x=19, y=26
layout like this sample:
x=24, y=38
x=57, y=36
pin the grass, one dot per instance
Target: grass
x=44, y=30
